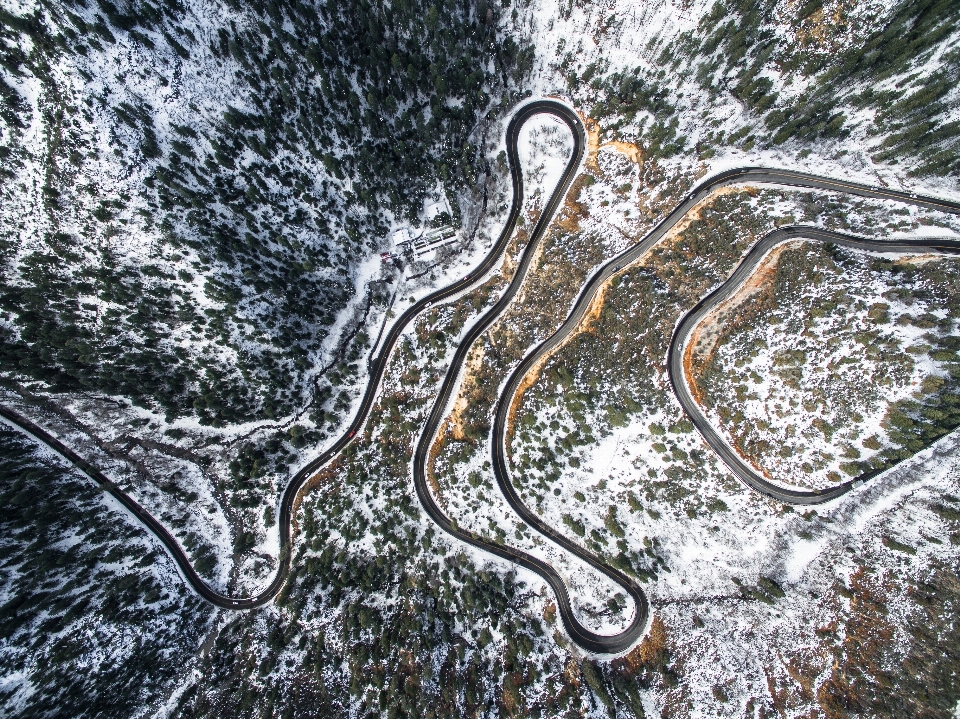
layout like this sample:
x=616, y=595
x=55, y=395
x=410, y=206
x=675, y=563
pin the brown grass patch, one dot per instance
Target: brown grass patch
x=804, y=671
x=651, y=653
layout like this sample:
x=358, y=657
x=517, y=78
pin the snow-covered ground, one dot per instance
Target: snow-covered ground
x=742, y=586
x=817, y=373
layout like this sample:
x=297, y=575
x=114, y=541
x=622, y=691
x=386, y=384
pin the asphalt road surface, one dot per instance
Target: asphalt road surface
x=741, y=469
x=588, y=640
x=750, y=175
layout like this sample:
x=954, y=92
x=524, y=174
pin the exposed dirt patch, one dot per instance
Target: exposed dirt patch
x=651, y=653
x=509, y=263
x=573, y=211
x=323, y=478
x=528, y=381
x=471, y=368
x=918, y=259
x=708, y=334
x=435, y=448
x=592, y=314
x=593, y=143
x=586, y=323
x=632, y=151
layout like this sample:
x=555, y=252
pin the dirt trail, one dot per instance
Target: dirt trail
x=631, y=150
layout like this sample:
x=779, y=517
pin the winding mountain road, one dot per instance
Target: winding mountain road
x=588, y=640
x=377, y=369
x=678, y=346
x=591, y=641
x=749, y=175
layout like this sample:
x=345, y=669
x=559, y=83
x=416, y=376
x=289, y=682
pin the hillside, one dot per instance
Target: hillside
x=195, y=199
x=194, y=203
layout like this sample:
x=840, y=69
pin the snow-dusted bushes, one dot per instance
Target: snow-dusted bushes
x=841, y=365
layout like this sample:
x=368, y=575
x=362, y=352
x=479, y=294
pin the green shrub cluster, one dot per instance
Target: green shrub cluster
x=734, y=43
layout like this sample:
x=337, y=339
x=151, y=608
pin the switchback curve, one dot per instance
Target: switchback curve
x=737, y=176
x=591, y=641
x=602, y=644
x=678, y=345
x=588, y=640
